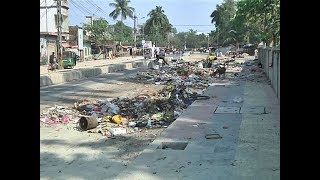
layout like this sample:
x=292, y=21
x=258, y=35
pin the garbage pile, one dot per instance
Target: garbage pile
x=187, y=74
x=59, y=114
x=183, y=84
x=252, y=73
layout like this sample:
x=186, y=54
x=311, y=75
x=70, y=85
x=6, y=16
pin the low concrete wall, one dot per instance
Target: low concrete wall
x=270, y=59
x=76, y=74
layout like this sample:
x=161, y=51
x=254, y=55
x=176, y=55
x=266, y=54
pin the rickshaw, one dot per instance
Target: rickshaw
x=69, y=59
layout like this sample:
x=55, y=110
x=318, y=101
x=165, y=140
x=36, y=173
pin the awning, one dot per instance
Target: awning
x=126, y=47
x=65, y=45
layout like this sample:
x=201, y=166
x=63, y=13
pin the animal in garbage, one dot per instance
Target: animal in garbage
x=220, y=71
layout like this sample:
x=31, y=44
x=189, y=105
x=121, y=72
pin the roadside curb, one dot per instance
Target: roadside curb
x=76, y=74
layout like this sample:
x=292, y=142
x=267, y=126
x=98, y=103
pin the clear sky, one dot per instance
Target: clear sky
x=179, y=12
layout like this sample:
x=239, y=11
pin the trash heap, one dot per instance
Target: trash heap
x=252, y=73
x=183, y=85
x=59, y=114
x=187, y=74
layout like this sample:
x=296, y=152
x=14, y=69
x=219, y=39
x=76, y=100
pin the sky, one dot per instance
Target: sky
x=188, y=13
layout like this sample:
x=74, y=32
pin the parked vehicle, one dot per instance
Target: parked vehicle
x=147, y=53
x=69, y=59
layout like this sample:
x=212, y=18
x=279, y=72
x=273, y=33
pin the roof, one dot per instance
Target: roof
x=66, y=45
x=126, y=47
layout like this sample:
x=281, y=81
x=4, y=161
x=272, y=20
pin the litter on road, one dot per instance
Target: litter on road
x=183, y=84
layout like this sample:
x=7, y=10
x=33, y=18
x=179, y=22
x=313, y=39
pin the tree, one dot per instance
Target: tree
x=122, y=33
x=264, y=17
x=99, y=32
x=222, y=17
x=121, y=9
x=252, y=20
x=158, y=27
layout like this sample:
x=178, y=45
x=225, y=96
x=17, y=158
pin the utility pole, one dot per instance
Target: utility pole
x=45, y=2
x=208, y=42
x=135, y=30
x=59, y=37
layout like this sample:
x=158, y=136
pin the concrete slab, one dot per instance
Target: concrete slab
x=227, y=110
x=253, y=110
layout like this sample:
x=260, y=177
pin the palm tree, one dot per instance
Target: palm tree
x=158, y=25
x=122, y=9
x=157, y=17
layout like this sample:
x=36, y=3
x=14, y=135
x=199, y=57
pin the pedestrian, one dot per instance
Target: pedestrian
x=53, y=62
x=157, y=51
x=162, y=55
x=256, y=53
x=210, y=60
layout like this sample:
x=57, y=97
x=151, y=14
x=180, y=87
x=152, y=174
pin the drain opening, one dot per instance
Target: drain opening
x=173, y=145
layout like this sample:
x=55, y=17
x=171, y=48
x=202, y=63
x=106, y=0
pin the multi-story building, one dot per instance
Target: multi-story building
x=49, y=25
x=85, y=51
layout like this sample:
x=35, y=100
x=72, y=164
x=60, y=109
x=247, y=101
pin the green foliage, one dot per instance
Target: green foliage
x=223, y=16
x=122, y=33
x=191, y=39
x=99, y=31
x=158, y=27
x=252, y=20
x=122, y=9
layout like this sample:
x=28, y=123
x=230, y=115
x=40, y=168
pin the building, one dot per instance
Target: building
x=85, y=50
x=48, y=26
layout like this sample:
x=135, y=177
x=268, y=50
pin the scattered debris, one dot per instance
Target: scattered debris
x=118, y=131
x=237, y=99
x=87, y=123
x=182, y=84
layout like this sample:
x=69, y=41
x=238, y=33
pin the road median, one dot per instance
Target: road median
x=77, y=74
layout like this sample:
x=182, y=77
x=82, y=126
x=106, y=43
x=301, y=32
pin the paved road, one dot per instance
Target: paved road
x=96, y=87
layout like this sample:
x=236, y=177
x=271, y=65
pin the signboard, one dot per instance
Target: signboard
x=43, y=44
x=80, y=39
x=147, y=44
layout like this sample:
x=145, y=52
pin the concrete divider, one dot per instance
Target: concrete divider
x=76, y=74
x=270, y=60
